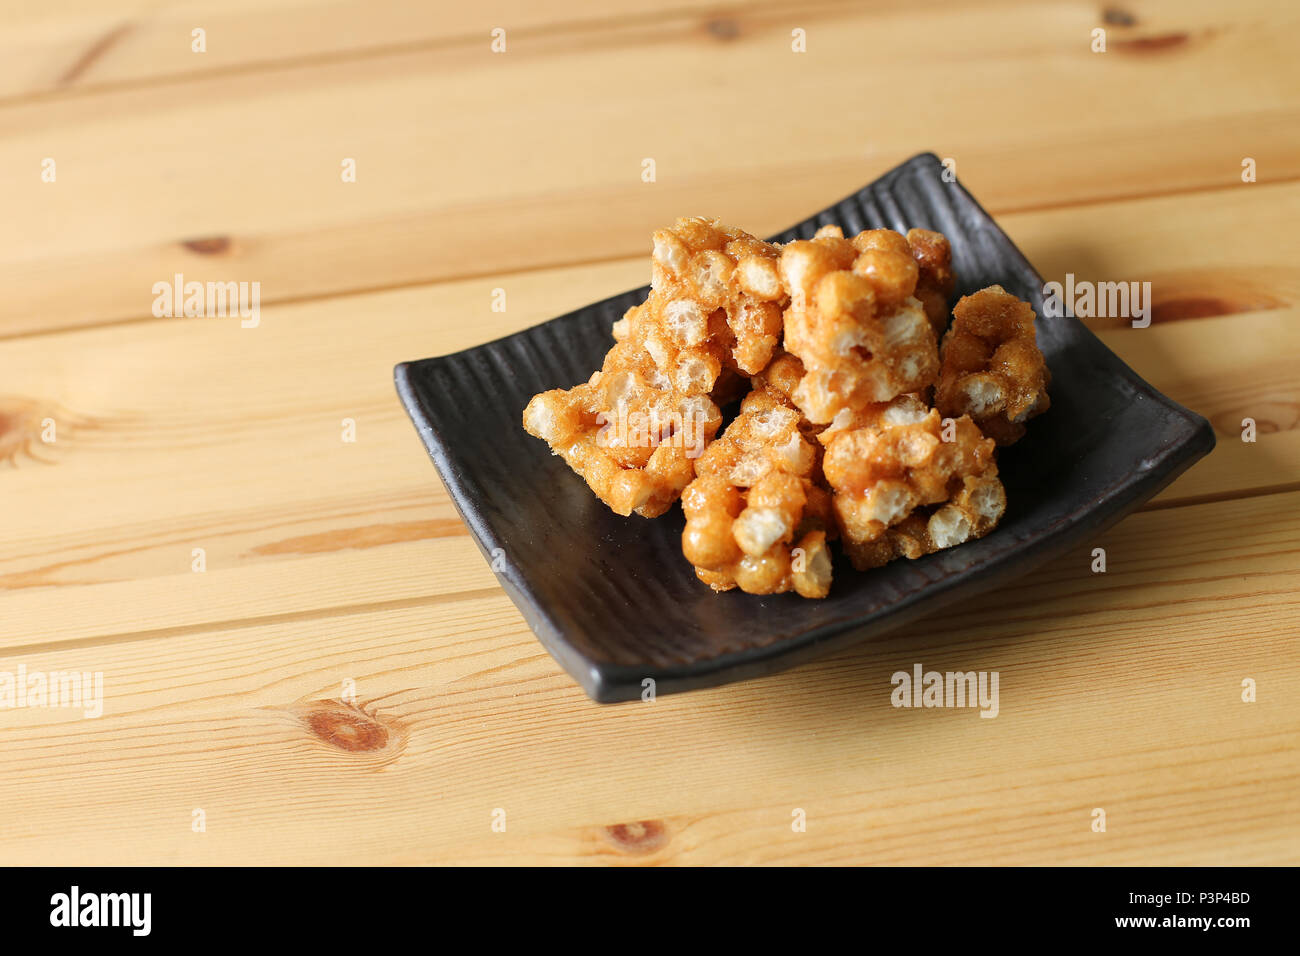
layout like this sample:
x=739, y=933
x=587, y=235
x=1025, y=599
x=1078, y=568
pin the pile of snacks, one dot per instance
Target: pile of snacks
x=865, y=416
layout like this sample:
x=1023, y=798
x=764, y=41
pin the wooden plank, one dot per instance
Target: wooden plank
x=84, y=45
x=355, y=573
x=466, y=170
x=1176, y=243
x=1230, y=369
x=460, y=713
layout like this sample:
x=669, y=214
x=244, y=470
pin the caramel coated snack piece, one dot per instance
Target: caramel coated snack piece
x=882, y=474
x=992, y=369
x=854, y=321
x=775, y=386
x=971, y=513
x=715, y=303
x=754, y=517
x=933, y=255
x=908, y=409
x=630, y=435
x=780, y=378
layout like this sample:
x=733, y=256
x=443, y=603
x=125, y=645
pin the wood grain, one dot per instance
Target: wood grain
x=79, y=46
x=466, y=171
x=333, y=565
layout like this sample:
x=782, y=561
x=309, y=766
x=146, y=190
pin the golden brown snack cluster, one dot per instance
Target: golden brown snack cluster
x=832, y=342
x=627, y=432
x=754, y=515
x=936, y=280
x=715, y=303
x=855, y=322
x=883, y=474
x=992, y=369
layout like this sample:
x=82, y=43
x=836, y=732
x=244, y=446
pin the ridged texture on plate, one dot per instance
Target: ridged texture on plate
x=612, y=599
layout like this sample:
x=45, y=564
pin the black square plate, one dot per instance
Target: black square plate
x=613, y=600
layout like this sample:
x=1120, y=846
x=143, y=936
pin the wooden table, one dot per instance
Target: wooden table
x=337, y=569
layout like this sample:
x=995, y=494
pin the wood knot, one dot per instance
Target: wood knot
x=1194, y=307
x=638, y=839
x=344, y=727
x=722, y=28
x=1160, y=43
x=1210, y=293
x=208, y=245
x=25, y=425
x=1116, y=17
